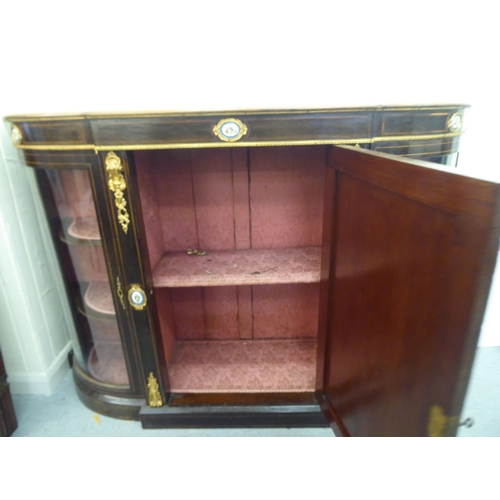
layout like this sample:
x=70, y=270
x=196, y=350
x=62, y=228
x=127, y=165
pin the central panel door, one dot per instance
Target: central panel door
x=407, y=262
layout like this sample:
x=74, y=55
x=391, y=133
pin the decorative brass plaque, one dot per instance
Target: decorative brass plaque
x=119, y=291
x=137, y=297
x=230, y=129
x=154, y=396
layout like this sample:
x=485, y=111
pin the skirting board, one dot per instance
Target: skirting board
x=43, y=383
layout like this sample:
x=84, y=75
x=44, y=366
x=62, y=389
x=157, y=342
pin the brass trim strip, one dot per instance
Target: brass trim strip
x=56, y=147
x=139, y=147
x=424, y=153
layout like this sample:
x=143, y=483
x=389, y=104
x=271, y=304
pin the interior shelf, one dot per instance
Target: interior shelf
x=239, y=267
x=85, y=228
x=239, y=366
x=81, y=231
x=98, y=297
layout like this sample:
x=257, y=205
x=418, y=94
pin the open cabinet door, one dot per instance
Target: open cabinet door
x=409, y=251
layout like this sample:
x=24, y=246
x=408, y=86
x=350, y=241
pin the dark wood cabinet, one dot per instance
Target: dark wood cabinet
x=270, y=268
x=8, y=421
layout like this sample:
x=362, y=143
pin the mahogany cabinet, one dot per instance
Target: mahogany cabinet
x=8, y=421
x=270, y=268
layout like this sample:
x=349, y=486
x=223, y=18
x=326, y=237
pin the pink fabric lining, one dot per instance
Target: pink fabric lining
x=286, y=196
x=244, y=366
x=147, y=182
x=259, y=212
x=285, y=311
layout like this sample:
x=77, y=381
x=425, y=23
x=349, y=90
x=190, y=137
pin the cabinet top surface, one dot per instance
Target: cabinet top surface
x=251, y=111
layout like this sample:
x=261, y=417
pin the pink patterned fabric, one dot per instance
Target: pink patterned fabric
x=244, y=366
x=286, y=196
x=85, y=228
x=148, y=184
x=98, y=297
x=212, y=181
x=285, y=311
x=222, y=199
x=239, y=267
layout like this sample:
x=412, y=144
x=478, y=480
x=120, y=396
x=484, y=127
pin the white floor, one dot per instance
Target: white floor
x=62, y=414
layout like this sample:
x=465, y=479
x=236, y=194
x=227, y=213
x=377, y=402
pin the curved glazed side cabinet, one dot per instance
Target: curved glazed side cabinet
x=270, y=268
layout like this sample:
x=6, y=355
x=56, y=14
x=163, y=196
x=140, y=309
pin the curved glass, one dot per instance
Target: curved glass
x=73, y=214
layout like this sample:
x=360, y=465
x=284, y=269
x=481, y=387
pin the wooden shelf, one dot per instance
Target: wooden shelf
x=239, y=267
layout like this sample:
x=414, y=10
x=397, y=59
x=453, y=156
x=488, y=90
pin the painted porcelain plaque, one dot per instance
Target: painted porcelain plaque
x=137, y=297
x=230, y=129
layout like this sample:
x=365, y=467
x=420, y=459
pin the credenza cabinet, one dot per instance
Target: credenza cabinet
x=8, y=420
x=270, y=268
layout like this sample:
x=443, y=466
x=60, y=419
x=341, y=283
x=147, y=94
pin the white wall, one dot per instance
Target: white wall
x=99, y=56
x=35, y=324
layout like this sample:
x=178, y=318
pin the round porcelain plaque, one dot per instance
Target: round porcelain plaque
x=454, y=122
x=137, y=297
x=16, y=135
x=230, y=129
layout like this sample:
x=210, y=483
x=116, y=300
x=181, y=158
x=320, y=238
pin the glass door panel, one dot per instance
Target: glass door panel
x=84, y=266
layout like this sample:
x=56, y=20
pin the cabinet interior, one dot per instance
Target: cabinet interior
x=242, y=317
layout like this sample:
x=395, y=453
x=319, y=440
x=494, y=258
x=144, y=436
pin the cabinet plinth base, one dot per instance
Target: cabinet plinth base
x=105, y=400
x=113, y=404
x=232, y=416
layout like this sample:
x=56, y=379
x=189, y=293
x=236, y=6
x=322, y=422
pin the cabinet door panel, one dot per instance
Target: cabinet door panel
x=410, y=253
